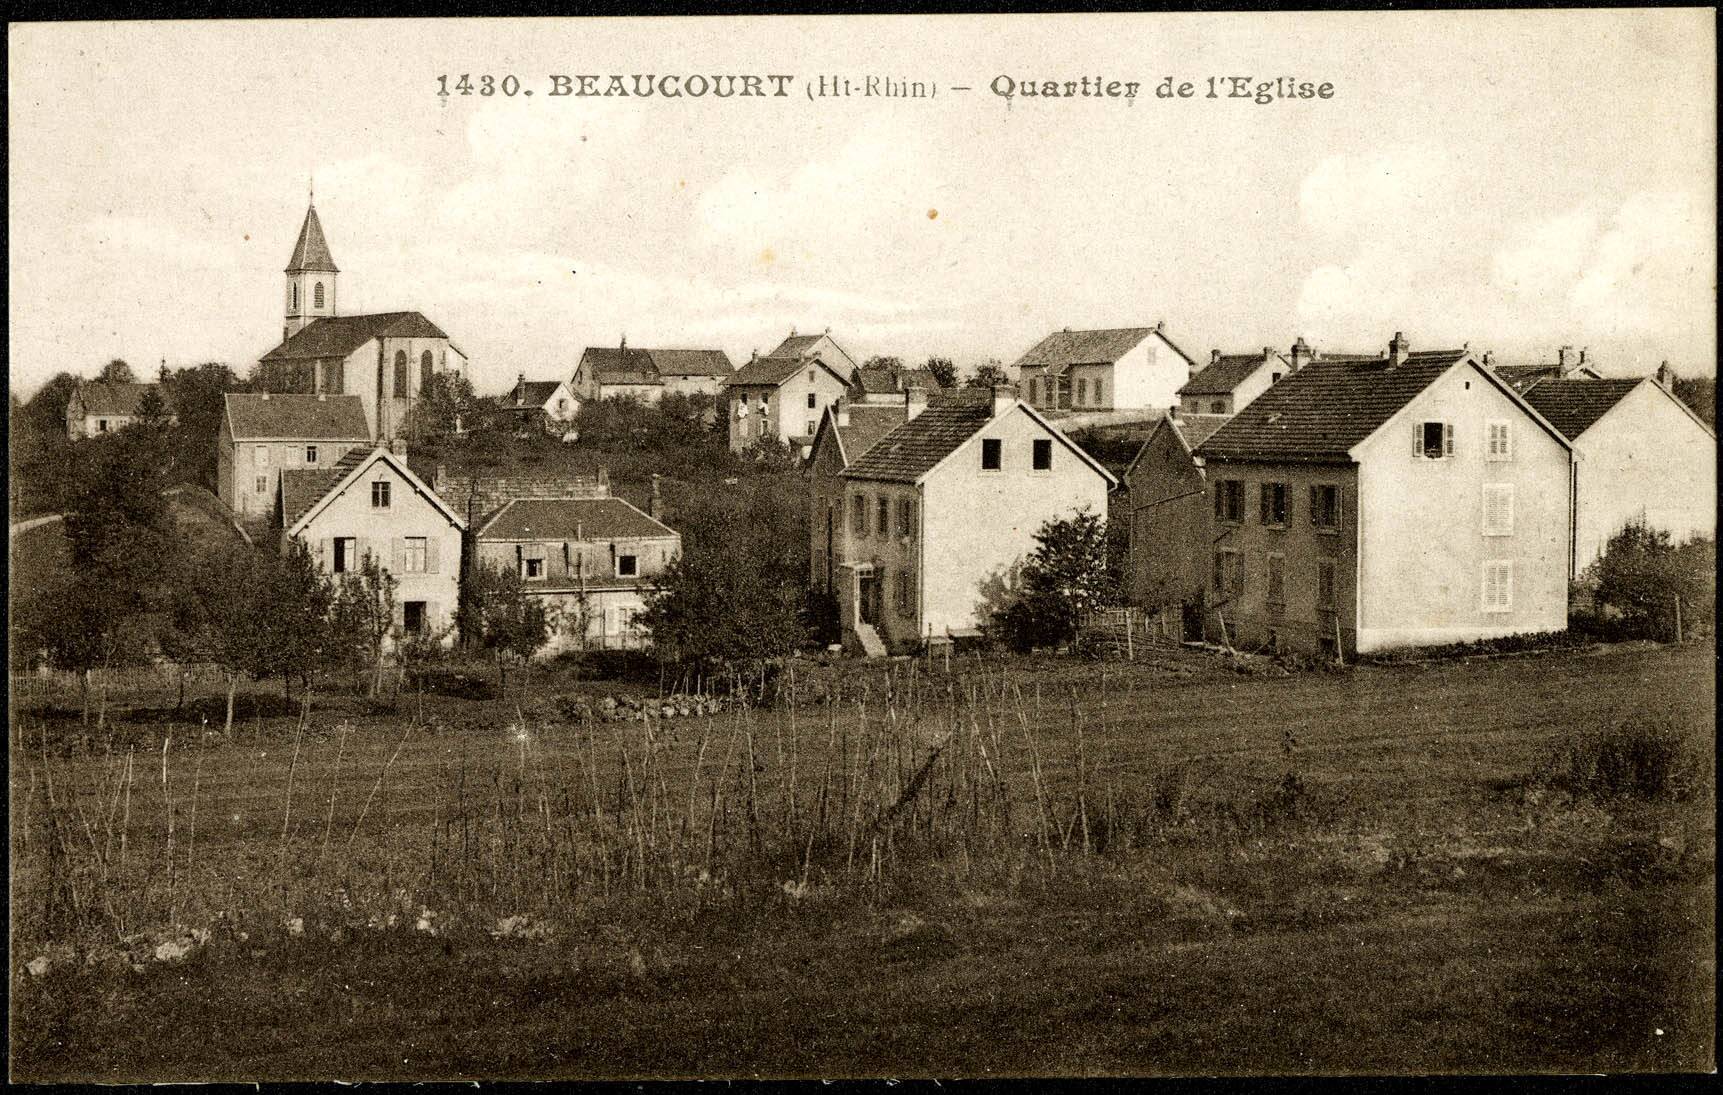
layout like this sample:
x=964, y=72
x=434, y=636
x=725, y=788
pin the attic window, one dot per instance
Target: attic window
x=990, y=447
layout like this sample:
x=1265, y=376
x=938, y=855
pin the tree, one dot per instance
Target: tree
x=445, y=405
x=198, y=397
x=1065, y=578
x=152, y=411
x=116, y=372
x=1699, y=393
x=944, y=371
x=363, y=617
x=988, y=374
x=1642, y=576
x=46, y=410
x=512, y=623
x=880, y=361
x=220, y=614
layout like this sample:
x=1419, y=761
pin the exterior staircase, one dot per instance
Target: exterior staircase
x=868, y=639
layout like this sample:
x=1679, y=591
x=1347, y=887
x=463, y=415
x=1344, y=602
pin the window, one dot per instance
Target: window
x=1229, y=500
x=858, y=514
x=1273, y=377
x=311, y=454
x=413, y=555
x=1432, y=440
x=1501, y=445
x=413, y=617
x=1498, y=509
x=1325, y=506
x=905, y=593
x=1035, y=391
x=1498, y=586
x=813, y=401
x=101, y=425
x=1325, y=583
x=1217, y=406
x=1273, y=503
x=812, y=426
x=906, y=517
x=1100, y=391
x=317, y=295
x=379, y=495
x=532, y=567
x=990, y=447
x=263, y=484
x=1082, y=391
x=424, y=371
x=882, y=516
x=765, y=401
x=1228, y=572
x=1276, y=586
x=399, y=391
x=627, y=566
x=293, y=296
x=1041, y=454
x=260, y=455
x=762, y=430
x=744, y=399
x=810, y=381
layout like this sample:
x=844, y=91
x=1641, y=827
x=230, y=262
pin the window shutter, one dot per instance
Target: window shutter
x=1447, y=439
x=431, y=553
x=1417, y=439
x=400, y=613
x=433, y=616
x=1219, y=499
x=324, y=550
x=398, y=554
x=1313, y=503
x=1262, y=503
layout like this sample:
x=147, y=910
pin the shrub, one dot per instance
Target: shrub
x=1642, y=578
x=442, y=681
x=1653, y=761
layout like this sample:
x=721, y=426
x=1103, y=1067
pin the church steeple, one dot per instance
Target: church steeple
x=311, y=274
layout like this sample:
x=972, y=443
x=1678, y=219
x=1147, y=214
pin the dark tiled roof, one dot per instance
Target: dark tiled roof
x=1573, y=405
x=692, y=362
x=766, y=370
x=311, y=252
x=302, y=487
x=1084, y=347
x=254, y=417
x=573, y=519
x=620, y=365
x=1320, y=412
x=112, y=397
x=912, y=449
x=867, y=425
x=338, y=336
x=880, y=379
x=533, y=393
x=795, y=346
x=1224, y=376
x=1197, y=428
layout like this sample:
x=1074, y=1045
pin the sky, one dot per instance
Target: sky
x=1512, y=181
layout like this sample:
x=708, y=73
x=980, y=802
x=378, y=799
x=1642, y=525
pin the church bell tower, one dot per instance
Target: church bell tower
x=311, y=275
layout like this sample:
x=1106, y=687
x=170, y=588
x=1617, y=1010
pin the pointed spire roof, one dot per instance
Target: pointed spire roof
x=312, y=251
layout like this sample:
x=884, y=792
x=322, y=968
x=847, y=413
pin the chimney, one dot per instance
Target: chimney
x=1004, y=395
x=1582, y=352
x=1214, y=357
x=441, y=478
x=266, y=397
x=604, y=480
x=1398, y=348
x=1066, y=331
x=1665, y=375
x=1268, y=354
x=842, y=411
x=1160, y=324
x=1564, y=359
x=1301, y=354
x=1489, y=359
x=322, y=397
x=624, y=344
x=914, y=400
x=655, y=504
x=753, y=355
x=398, y=447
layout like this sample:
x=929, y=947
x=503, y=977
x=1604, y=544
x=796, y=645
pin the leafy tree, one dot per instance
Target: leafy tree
x=363, y=617
x=988, y=374
x=944, y=371
x=445, y=406
x=1643, y=574
x=197, y=396
x=46, y=410
x=1699, y=393
x=1064, y=578
x=224, y=613
x=880, y=361
x=117, y=372
x=152, y=411
x=513, y=624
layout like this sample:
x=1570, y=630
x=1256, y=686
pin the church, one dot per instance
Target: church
x=387, y=359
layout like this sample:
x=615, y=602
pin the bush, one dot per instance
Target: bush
x=1653, y=761
x=442, y=681
x=1641, y=579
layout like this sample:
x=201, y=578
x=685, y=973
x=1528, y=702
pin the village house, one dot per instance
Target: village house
x=1640, y=454
x=101, y=406
x=387, y=359
x=264, y=434
x=942, y=511
x=1412, y=499
x=593, y=562
x=1166, y=498
x=886, y=386
x=371, y=505
x=782, y=396
x=648, y=375
x=845, y=432
x=1119, y=369
x=1229, y=382
x=1568, y=365
x=549, y=405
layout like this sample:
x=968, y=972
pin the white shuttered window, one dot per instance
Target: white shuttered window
x=1498, y=509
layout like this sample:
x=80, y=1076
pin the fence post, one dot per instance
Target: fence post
x=1678, y=617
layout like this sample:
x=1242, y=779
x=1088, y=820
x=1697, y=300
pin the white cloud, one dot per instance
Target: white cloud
x=1547, y=256
x=1361, y=195
x=1640, y=275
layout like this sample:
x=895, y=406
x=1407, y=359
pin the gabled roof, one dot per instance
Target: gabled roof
x=1572, y=406
x=349, y=469
x=532, y=393
x=1194, y=429
x=773, y=371
x=1522, y=377
x=255, y=416
x=1223, y=376
x=795, y=345
x=311, y=252
x=692, y=362
x=620, y=365
x=882, y=379
x=302, y=487
x=916, y=447
x=1063, y=349
x=572, y=519
x=118, y=398
x=338, y=336
x=868, y=422
x=1322, y=411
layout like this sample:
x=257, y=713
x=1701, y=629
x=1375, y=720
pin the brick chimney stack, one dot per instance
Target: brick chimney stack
x=398, y=447
x=842, y=412
x=914, y=400
x=1301, y=354
x=1398, y=348
x=1564, y=360
x=1004, y=395
x=1213, y=358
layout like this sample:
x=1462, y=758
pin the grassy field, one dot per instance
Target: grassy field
x=1014, y=867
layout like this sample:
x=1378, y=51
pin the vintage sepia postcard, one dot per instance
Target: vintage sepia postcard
x=862, y=547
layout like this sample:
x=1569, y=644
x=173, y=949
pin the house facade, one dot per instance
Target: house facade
x=371, y=505
x=592, y=562
x=1403, y=501
x=387, y=359
x=99, y=406
x=941, y=512
x=647, y=374
x=1123, y=368
x=1640, y=455
x=548, y=404
x=1167, y=499
x=263, y=435
x=845, y=432
x=1229, y=382
x=783, y=396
